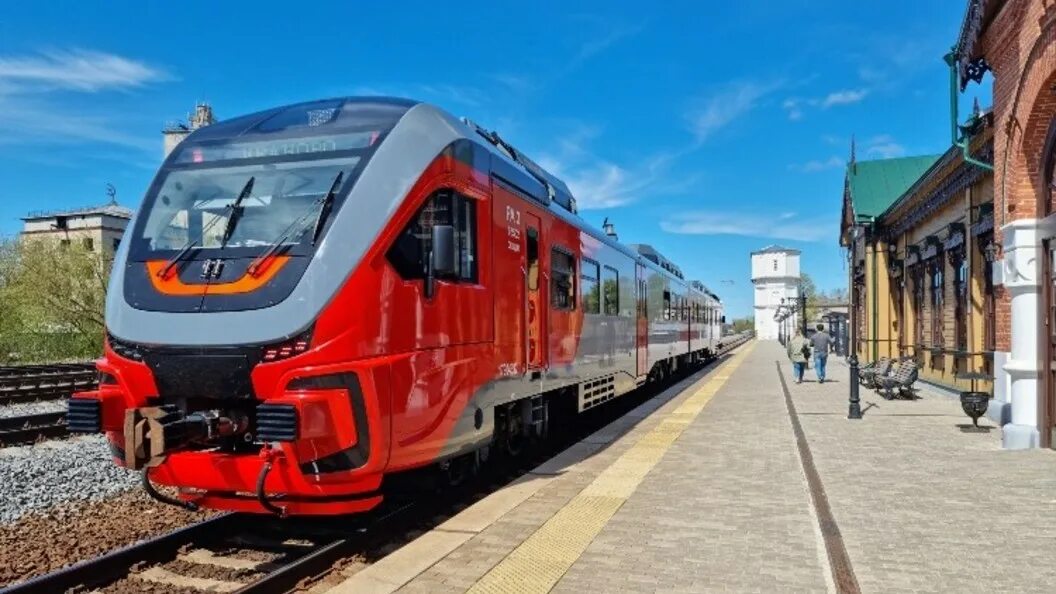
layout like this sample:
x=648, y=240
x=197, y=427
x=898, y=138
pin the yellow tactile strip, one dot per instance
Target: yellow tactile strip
x=540, y=561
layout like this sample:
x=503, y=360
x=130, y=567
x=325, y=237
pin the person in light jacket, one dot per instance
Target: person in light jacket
x=798, y=351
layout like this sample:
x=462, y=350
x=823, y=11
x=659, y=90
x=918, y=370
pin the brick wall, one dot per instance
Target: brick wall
x=1020, y=46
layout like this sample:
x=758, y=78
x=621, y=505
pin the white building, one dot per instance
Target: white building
x=97, y=228
x=775, y=274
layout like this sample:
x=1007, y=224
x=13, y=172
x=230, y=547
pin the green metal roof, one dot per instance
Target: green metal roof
x=875, y=185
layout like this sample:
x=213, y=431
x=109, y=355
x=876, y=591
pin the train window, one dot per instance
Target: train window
x=563, y=287
x=610, y=289
x=589, y=287
x=533, y=259
x=409, y=254
x=667, y=305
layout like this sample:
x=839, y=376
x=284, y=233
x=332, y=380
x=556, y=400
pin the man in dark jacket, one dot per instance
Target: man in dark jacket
x=821, y=342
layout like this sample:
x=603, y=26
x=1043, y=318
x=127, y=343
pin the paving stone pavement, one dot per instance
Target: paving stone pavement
x=726, y=509
x=921, y=505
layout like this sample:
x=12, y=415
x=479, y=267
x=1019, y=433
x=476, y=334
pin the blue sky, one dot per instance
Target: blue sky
x=706, y=129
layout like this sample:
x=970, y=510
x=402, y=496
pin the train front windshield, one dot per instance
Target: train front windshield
x=276, y=192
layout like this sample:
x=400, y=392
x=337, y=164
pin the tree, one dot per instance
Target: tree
x=810, y=290
x=743, y=324
x=53, y=298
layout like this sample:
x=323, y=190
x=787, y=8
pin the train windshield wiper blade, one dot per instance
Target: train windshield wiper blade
x=295, y=228
x=328, y=201
x=187, y=247
x=236, y=211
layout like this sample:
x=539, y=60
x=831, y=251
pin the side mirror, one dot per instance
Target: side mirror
x=442, y=261
x=723, y=319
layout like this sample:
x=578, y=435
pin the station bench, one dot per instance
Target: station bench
x=900, y=379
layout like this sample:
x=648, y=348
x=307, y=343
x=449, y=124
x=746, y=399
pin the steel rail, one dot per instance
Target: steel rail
x=30, y=428
x=116, y=564
x=317, y=562
x=34, y=382
x=333, y=545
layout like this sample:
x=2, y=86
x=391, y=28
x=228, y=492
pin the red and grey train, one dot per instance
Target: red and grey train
x=319, y=296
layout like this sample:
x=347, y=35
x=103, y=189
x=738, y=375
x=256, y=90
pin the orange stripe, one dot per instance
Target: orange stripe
x=172, y=285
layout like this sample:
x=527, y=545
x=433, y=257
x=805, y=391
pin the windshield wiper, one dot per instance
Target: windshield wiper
x=298, y=225
x=328, y=202
x=187, y=247
x=236, y=211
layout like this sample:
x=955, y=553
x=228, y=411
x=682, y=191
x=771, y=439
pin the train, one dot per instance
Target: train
x=318, y=297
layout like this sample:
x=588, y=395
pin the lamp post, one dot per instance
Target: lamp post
x=802, y=310
x=779, y=318
x=854, y=410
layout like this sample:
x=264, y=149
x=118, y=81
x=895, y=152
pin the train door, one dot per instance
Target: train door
x=642, y=323
x=535, y=294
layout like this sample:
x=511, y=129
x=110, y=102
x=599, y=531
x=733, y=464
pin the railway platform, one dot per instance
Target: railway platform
x=737, y=479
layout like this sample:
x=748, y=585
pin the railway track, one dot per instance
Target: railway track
x=244, y=554
x=26, y=383
x=32, y=428
x=240, y=553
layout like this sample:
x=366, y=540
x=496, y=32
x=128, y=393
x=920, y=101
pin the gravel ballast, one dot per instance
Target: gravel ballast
x=32, y=408
x=40, y=542
x=60, y=471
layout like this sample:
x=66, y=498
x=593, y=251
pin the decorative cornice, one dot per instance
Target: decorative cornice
x=912, y=255
x=954, y=237
x=965, y=175
x=971, y=31
x=932, y=246
x=984, y=224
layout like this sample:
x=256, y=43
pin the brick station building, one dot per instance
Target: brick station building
x=1015, y=40
x=969, y=246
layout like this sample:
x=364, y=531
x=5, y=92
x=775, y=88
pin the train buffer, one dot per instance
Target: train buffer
x=738, y=479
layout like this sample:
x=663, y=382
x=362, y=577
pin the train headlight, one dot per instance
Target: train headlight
x=124, y=349
x=284, y=350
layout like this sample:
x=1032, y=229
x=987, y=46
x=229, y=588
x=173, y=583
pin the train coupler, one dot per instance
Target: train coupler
x=153, y=432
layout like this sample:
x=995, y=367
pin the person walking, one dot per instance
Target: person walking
x=822, y=343
x=798, y=351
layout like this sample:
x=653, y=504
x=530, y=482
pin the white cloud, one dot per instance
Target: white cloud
x=514, y=82
x=78, y=70
x=24, y=124
x=724, y=107
x=785, y=226
x=604, y=185
x=597, y=45
x=598, y=182
x=796, y=106
x=816, y=165
x=793, y=107
x=883, y=147
x=34, y=91
x=845, y=97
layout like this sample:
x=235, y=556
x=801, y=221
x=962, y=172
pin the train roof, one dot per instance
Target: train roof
x=649, y=253
x=351, y=114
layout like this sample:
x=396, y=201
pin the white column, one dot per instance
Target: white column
x=1021, y=270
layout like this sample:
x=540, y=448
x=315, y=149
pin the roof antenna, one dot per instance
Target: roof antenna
x=111, y=191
